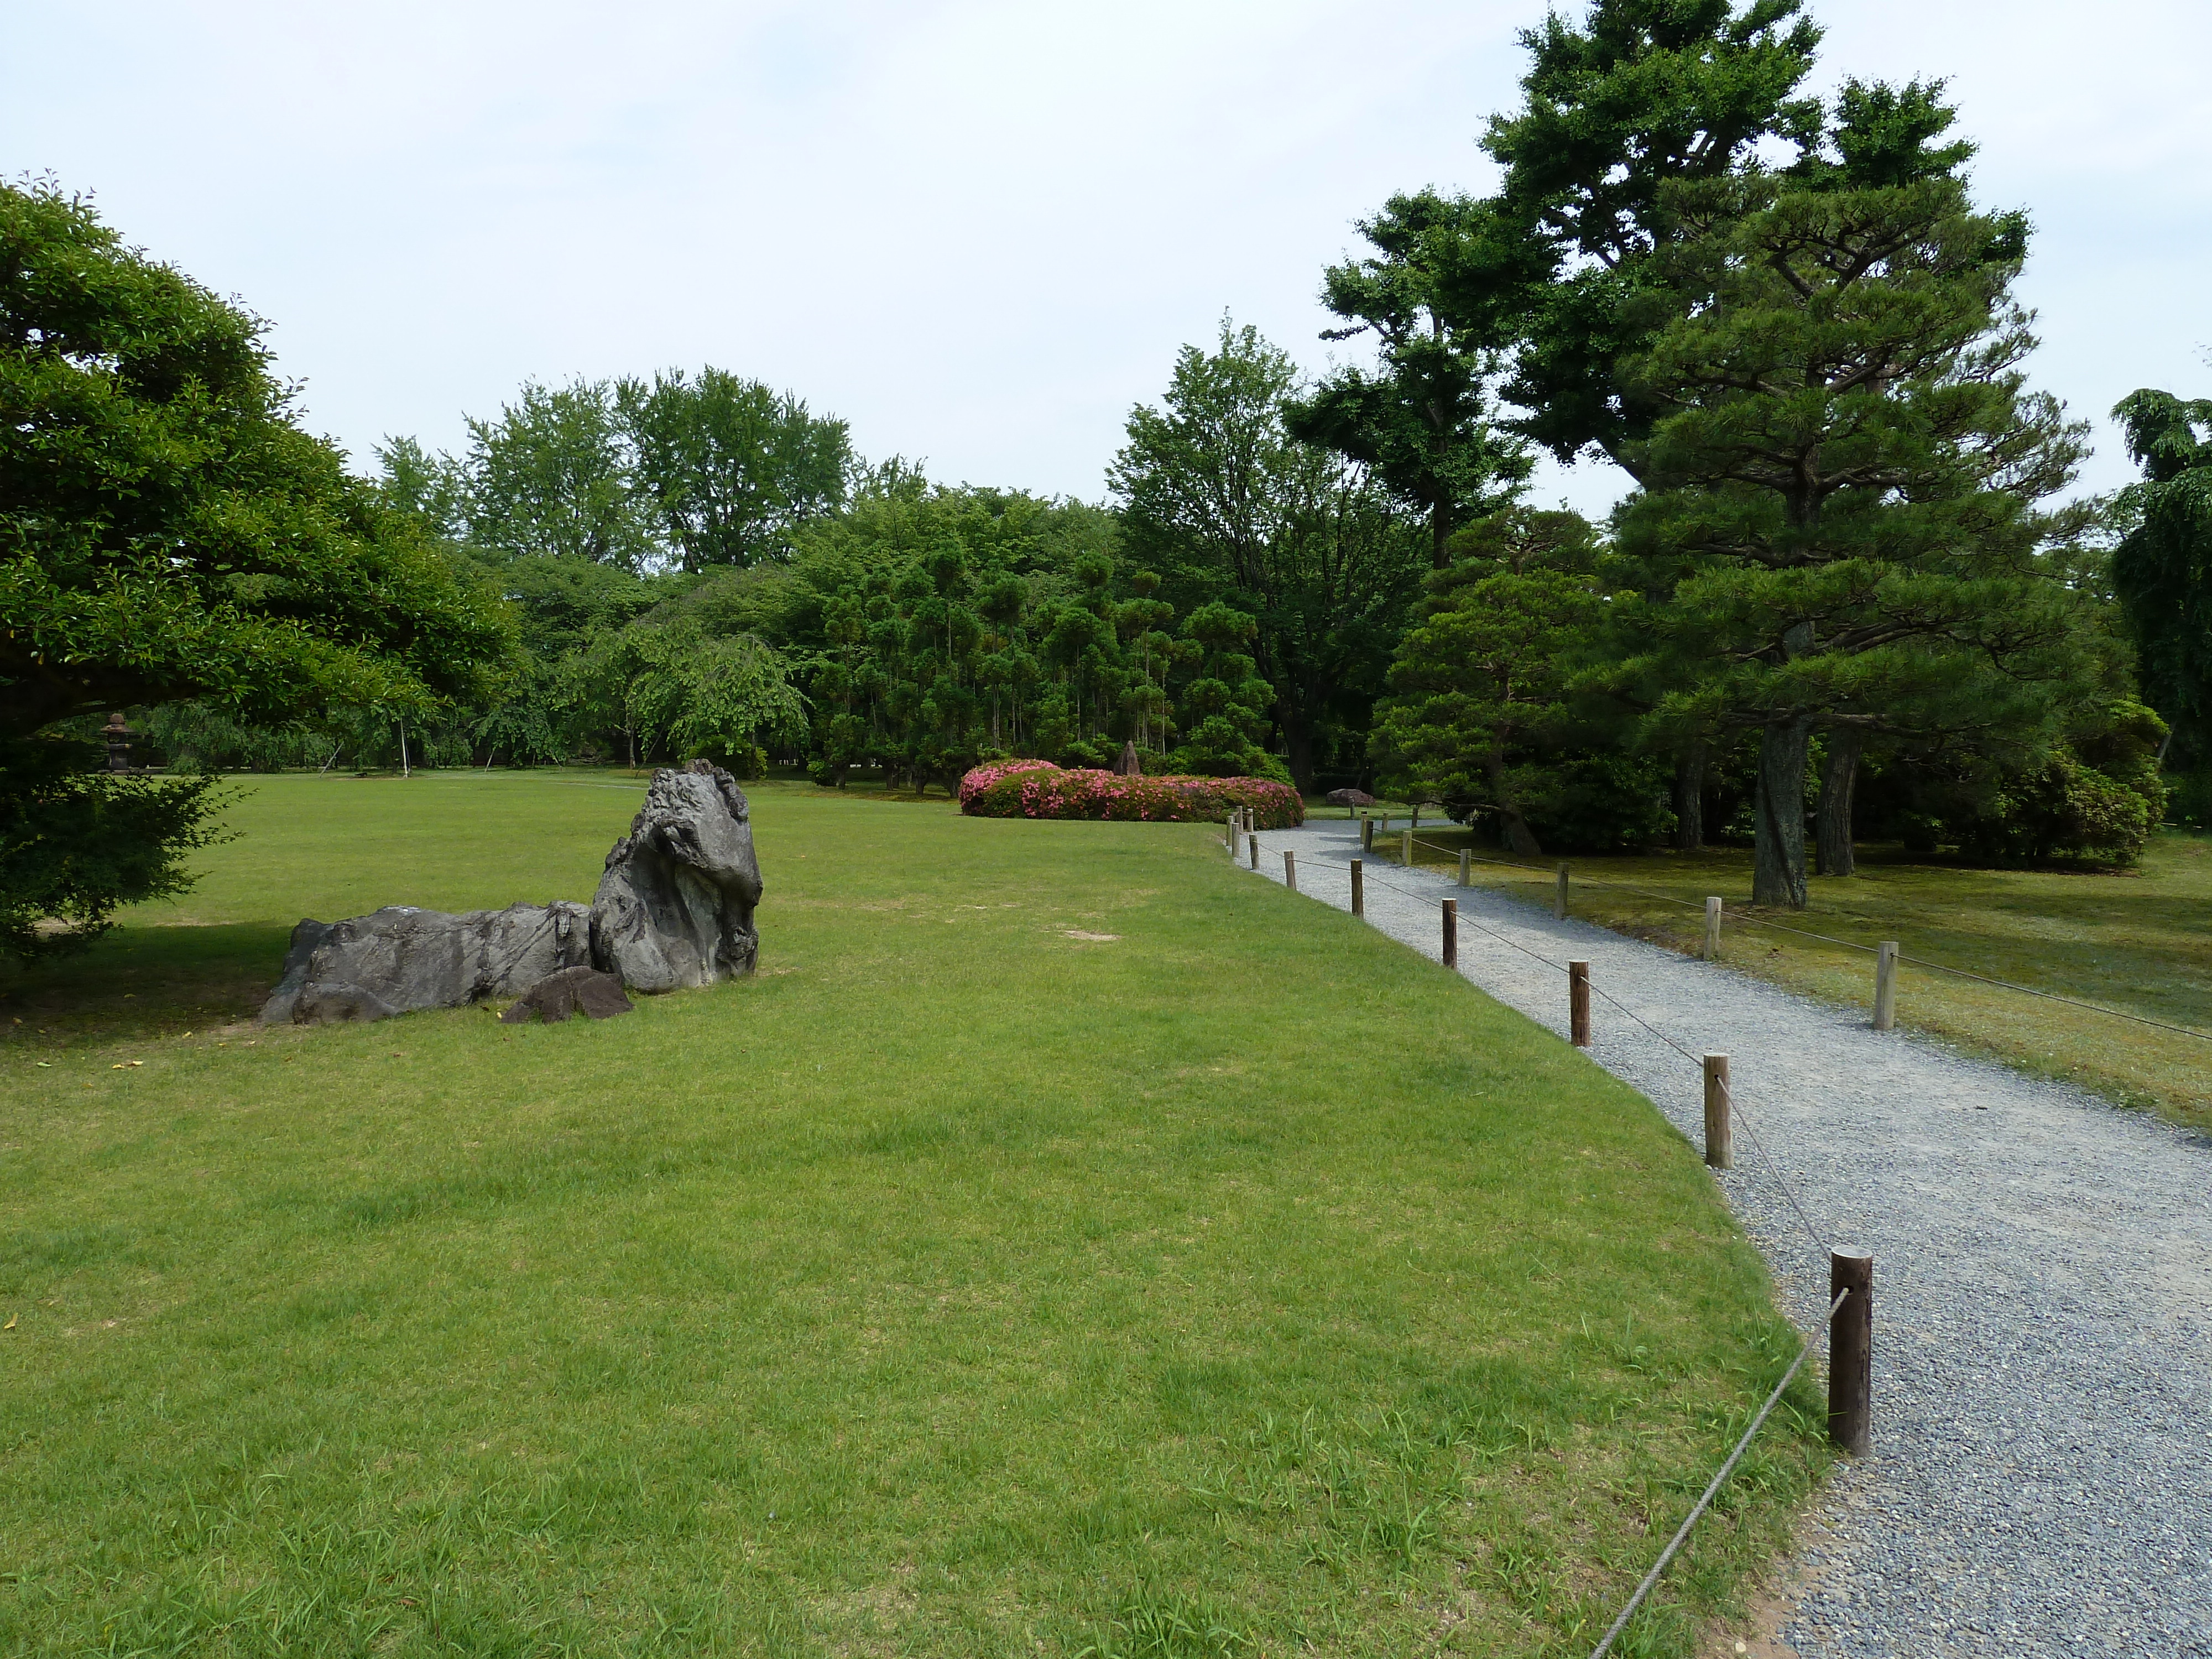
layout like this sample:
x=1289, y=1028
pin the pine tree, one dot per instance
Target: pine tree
x=1845, y=459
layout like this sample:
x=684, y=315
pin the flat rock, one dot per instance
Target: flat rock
x=1349, y=798
x=401, y=958
x=573, y=991
x=675, y=908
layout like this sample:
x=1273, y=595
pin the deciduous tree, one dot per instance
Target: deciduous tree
x=167, y=533
x=1218, y=496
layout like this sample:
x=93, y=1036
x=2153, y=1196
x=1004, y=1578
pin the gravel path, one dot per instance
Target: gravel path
x=2041, y=1478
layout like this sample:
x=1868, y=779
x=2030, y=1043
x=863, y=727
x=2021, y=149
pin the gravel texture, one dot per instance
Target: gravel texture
x=2041, y=1476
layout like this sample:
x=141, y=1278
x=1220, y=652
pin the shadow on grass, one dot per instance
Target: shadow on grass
x=138, y=982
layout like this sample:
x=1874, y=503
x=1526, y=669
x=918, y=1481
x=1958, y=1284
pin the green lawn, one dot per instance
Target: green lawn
x=2138, y=940
x=1238, y=1284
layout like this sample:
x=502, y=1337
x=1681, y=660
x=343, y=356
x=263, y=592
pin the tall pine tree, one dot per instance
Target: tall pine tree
x=1845, y=457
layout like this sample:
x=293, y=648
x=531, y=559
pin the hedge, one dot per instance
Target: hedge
x=1038, y=789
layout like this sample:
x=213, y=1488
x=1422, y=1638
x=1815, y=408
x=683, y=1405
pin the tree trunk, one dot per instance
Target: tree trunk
x=1690, y=799
x=1439, y=535
x=1297, y=753
x=1838, y=779
x=1519, y=835
x=1778, y=845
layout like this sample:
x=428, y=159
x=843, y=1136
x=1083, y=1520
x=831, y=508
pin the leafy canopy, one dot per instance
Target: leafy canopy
x=2162, y=567
x=167, y=530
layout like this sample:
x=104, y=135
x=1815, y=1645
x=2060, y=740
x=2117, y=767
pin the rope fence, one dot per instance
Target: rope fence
x=1848, y=1328
x=1746, y=920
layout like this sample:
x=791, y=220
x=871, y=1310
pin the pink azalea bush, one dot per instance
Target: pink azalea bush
x=984, y=776
x=1038, y=789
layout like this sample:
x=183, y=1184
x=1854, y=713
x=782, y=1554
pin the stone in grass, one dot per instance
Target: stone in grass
x=573, y=991
x=1349, y=798
x=401, y=958
x=675, y=908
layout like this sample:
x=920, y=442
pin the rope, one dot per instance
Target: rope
x=1735, y=1111
x=1749, y=920
x=1681, y=1532
x=1620, y=1623
x=2052, y=996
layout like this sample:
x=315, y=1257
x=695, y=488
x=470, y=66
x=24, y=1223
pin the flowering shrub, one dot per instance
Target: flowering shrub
x=1038, y=789
x=984, y=776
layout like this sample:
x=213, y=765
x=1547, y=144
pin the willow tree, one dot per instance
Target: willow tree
x=2162, y=569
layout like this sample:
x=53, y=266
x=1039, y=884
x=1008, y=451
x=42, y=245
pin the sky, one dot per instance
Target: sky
x=977, y=232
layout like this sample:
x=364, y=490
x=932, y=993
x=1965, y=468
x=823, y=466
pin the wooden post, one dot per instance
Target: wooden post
x=1252, y=842
x=1713, y=929
x=1417, y=815
x=1885, y=985
x=1406, y=850
x=1231, y=842
x=1851, y=1351
x=1358, y=888
x=1290, y=870
x=1560, y=898
x=1578, y=1004
x=1451, y=932
x=1465, y=859
x=1386, y=823
x=1720, y=1142
x=1367, y=834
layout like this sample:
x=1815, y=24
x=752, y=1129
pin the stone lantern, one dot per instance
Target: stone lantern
x=118, y=735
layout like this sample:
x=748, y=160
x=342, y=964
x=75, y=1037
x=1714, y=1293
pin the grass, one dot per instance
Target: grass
x=1235, y=1283
x=2139, y=941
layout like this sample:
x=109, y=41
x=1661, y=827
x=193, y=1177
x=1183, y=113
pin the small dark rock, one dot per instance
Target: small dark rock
x=571, y=991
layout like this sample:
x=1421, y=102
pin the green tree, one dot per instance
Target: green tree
x=1226, y=704
x=729, y=468
x=1848, y=463
x=690, y=693
x=2162, y=567
x=1641, y=95
x=1482, y=712
x=1419, y=420
x=552, y=477
x=1218, y=497
x=167, y=533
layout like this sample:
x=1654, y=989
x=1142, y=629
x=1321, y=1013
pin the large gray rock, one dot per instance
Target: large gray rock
x=401, y=958
x=675, y=908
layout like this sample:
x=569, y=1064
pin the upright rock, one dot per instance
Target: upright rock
x=1129, y=766
x=675, y=908
x=401, y=958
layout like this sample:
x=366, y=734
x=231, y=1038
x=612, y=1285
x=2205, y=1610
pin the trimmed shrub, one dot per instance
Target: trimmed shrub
x=1038, y=789
x=984, y=776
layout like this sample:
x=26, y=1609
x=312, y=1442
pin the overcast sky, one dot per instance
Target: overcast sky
x=979, y=232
